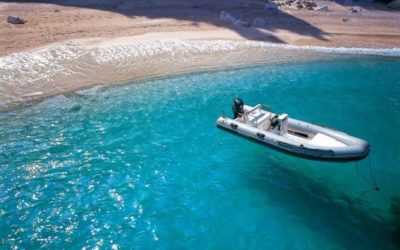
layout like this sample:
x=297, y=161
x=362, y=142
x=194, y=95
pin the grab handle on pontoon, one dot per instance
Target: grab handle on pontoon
x=268, y=107
x=258, y=106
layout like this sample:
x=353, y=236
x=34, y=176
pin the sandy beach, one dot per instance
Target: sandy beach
x=70, y=45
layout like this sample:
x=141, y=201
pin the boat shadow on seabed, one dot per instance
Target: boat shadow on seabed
x=395, y=207
x=337, y=216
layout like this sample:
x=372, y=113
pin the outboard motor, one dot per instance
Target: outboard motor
x=237, y=107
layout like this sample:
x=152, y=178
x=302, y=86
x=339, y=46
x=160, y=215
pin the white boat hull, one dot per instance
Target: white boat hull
x=301, y=139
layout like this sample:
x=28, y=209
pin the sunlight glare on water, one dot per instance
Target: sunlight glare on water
x=144, y=166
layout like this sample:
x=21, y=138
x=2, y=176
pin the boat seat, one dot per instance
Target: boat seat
x=265, y=122
x=260, y=120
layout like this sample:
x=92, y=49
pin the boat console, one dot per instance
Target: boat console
x=279, y=124
x=258, y=118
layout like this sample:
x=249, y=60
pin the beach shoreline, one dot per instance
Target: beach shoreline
x=81, y=64
x=44, y=58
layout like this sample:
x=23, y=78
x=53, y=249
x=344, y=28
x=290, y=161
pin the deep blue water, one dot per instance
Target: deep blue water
x=143, y=165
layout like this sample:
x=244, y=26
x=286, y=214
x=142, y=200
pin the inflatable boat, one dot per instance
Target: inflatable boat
x=292, y=136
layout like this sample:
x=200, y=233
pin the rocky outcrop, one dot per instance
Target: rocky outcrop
x=323, y=9
x=395, y=4
x=355, y=9
x=298, y=4
x=309, y=4
x=15, y=20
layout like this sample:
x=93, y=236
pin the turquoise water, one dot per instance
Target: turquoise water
x=144, y=166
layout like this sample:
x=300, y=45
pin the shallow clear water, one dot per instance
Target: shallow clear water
x=144, y=166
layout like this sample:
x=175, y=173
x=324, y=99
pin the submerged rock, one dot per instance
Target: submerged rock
x=15, y=20
x=60, y=102
x=90, y=92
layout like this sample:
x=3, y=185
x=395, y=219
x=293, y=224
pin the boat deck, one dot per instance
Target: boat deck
x=318, y=140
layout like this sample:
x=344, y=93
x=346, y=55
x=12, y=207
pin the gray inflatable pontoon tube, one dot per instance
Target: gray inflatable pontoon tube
x=293, y=136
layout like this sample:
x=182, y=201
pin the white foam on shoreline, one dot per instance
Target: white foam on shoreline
x=171, y=46
x=174, y=47
x=391, y=52
x=26, y=67
x=42, y=65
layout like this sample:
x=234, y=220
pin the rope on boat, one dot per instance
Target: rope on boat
x=372, y=181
